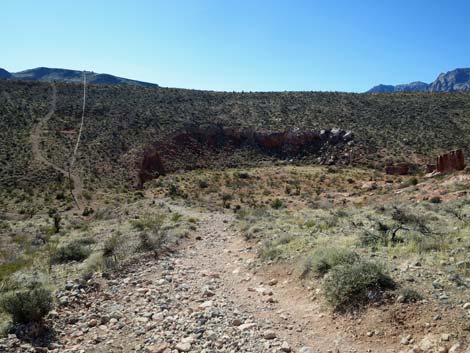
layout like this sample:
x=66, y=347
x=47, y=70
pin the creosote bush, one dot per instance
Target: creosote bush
x=323, y=260
x=435, y=199
x=277, y=204
x=77, y=250
x=28, y=305
x=353, y=285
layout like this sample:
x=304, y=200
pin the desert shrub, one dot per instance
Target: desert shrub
x=324, y=259
x=435, y=199
x=151, y=241
x=77, y=250
x=88, y=211
x=203, y=184
x=242, y=175
x=429, y=243
x=352, y=285
x=310, y=223
x=367, y=238
x=5, y=226
x=410, y=182
x=176, y=217
x=270, y=252
x=277, y=204
x=93, y=263
x=409, y=295
x=404, y=217
x=148, y=222
x=56, y=217
x=226, y=198
x=27, y=305
x=173, y=190
x=110, y=246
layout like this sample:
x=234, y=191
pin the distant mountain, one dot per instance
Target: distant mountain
x=457, y=80
x=4, y=73
x=65, y=75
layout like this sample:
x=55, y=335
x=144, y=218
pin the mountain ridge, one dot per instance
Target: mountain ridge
x=457, y=80
x=70, y=76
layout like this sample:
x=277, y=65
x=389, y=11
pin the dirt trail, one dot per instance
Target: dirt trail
x=291, y=313
x=35, y=139
x=205, y=297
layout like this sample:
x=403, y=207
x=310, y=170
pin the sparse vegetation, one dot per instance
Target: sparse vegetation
x=327, y=219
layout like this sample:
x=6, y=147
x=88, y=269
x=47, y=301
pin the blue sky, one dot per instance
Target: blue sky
x=251, y=45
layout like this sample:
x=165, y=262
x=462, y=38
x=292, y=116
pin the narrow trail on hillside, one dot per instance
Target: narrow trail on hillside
x=205, y=297
x=35, y=140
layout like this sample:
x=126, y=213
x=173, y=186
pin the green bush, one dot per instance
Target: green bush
x=277, y=204
x=324, y=259
x=203, y=184
x=27, y=305
x=352, y=285
x=435, y=199
x=75, y=251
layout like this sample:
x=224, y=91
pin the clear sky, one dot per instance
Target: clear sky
x=251, y=45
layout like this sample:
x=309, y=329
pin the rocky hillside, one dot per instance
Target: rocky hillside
x=457, y=80
x=453, y=81
x=70, y=76
x=122, y=122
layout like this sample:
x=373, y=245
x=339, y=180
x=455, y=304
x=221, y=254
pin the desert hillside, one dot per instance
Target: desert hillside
x=123, y=121
x=198, y=221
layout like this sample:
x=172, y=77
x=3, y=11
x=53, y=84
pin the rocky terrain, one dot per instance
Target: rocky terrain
x=263, y=222
x=124, y=122
x=211, y=295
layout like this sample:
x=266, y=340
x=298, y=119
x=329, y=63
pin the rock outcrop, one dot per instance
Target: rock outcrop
x=451, y=161
x=202, y=146
x=151, y=166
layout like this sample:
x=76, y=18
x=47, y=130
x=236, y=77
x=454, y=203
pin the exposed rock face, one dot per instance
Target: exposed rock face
x=451, y=161
x=457, y=80
x=151, y=167
x=399, y=169
x=200, y=146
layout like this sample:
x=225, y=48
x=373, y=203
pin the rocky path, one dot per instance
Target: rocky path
x=206, y=297
x=35, y=140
